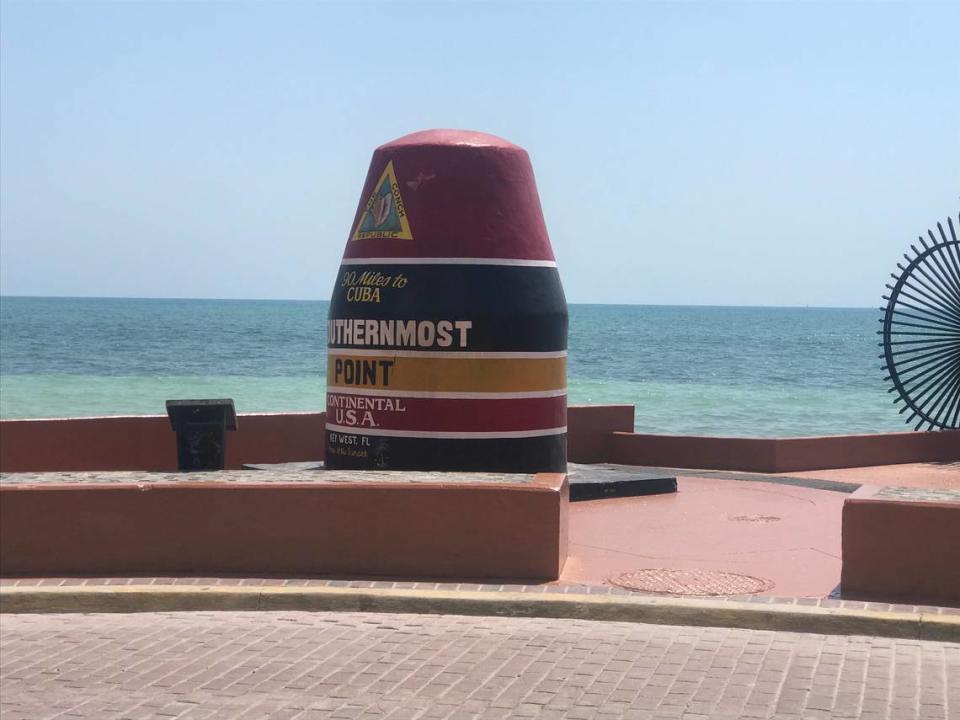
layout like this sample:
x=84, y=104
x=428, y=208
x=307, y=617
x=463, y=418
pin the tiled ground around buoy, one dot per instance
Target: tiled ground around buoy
x=786, y=537
x=943, y=475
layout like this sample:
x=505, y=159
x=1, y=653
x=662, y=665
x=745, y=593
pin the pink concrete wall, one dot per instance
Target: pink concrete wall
x=900, y=551
x=394, y=529
x=749, y=454
x=590, y=430
x=779, y=455
x=597, y=433
x=839, y=451
x=146, y=442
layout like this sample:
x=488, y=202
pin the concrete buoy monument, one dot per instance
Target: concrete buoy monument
x=447, y=330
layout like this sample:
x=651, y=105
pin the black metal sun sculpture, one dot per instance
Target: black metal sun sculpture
x=921, y=332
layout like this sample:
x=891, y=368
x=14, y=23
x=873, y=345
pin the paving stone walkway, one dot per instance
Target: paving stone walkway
x=354, y=665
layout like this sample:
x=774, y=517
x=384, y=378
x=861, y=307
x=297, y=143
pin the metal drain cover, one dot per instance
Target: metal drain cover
x=664, y=581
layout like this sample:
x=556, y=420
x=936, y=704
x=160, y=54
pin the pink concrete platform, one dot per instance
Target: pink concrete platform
x=943, y=476
x=800, y=552
x=786, y=535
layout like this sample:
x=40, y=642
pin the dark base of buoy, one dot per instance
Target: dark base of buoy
x=503, y=455
x=595, y=482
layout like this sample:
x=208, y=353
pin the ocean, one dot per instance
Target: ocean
x=736, y=371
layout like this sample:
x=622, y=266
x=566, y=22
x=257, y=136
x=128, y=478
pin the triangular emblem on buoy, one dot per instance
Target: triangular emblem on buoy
x=384, y=215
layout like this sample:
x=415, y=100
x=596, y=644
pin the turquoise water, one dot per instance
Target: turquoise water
x=688, y=370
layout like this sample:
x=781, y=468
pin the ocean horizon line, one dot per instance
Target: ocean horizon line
x=319, y=300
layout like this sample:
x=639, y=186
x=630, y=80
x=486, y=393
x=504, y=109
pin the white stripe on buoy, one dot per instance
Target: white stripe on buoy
x=347, y=430
x=449, y=261
x=448, y=355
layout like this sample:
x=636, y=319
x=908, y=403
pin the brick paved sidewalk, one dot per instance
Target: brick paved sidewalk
x=354, y=665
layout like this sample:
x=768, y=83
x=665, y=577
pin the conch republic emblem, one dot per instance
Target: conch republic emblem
x=384, y=215
x=448, y=324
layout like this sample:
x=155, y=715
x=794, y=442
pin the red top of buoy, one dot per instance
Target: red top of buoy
x=449, y=194
x=442, y=136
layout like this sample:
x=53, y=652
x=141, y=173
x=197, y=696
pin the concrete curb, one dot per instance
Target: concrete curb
x=640, y=609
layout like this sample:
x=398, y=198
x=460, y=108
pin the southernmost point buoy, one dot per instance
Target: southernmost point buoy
x=448, y=325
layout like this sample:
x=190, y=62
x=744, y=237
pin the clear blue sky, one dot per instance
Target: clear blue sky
x=758, y=154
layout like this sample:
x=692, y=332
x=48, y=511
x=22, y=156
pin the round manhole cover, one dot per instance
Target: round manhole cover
x=664, y=581
x=755, y=518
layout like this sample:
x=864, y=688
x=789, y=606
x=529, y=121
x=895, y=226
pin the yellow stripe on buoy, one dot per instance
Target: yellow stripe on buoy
x=495, y=375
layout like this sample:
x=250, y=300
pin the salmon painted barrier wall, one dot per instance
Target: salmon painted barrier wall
x=597, y=433
x=147, y=442
x=917, y=564
x=590, y=430
x=428, y=530
x=448, y=324
x=780, y=455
